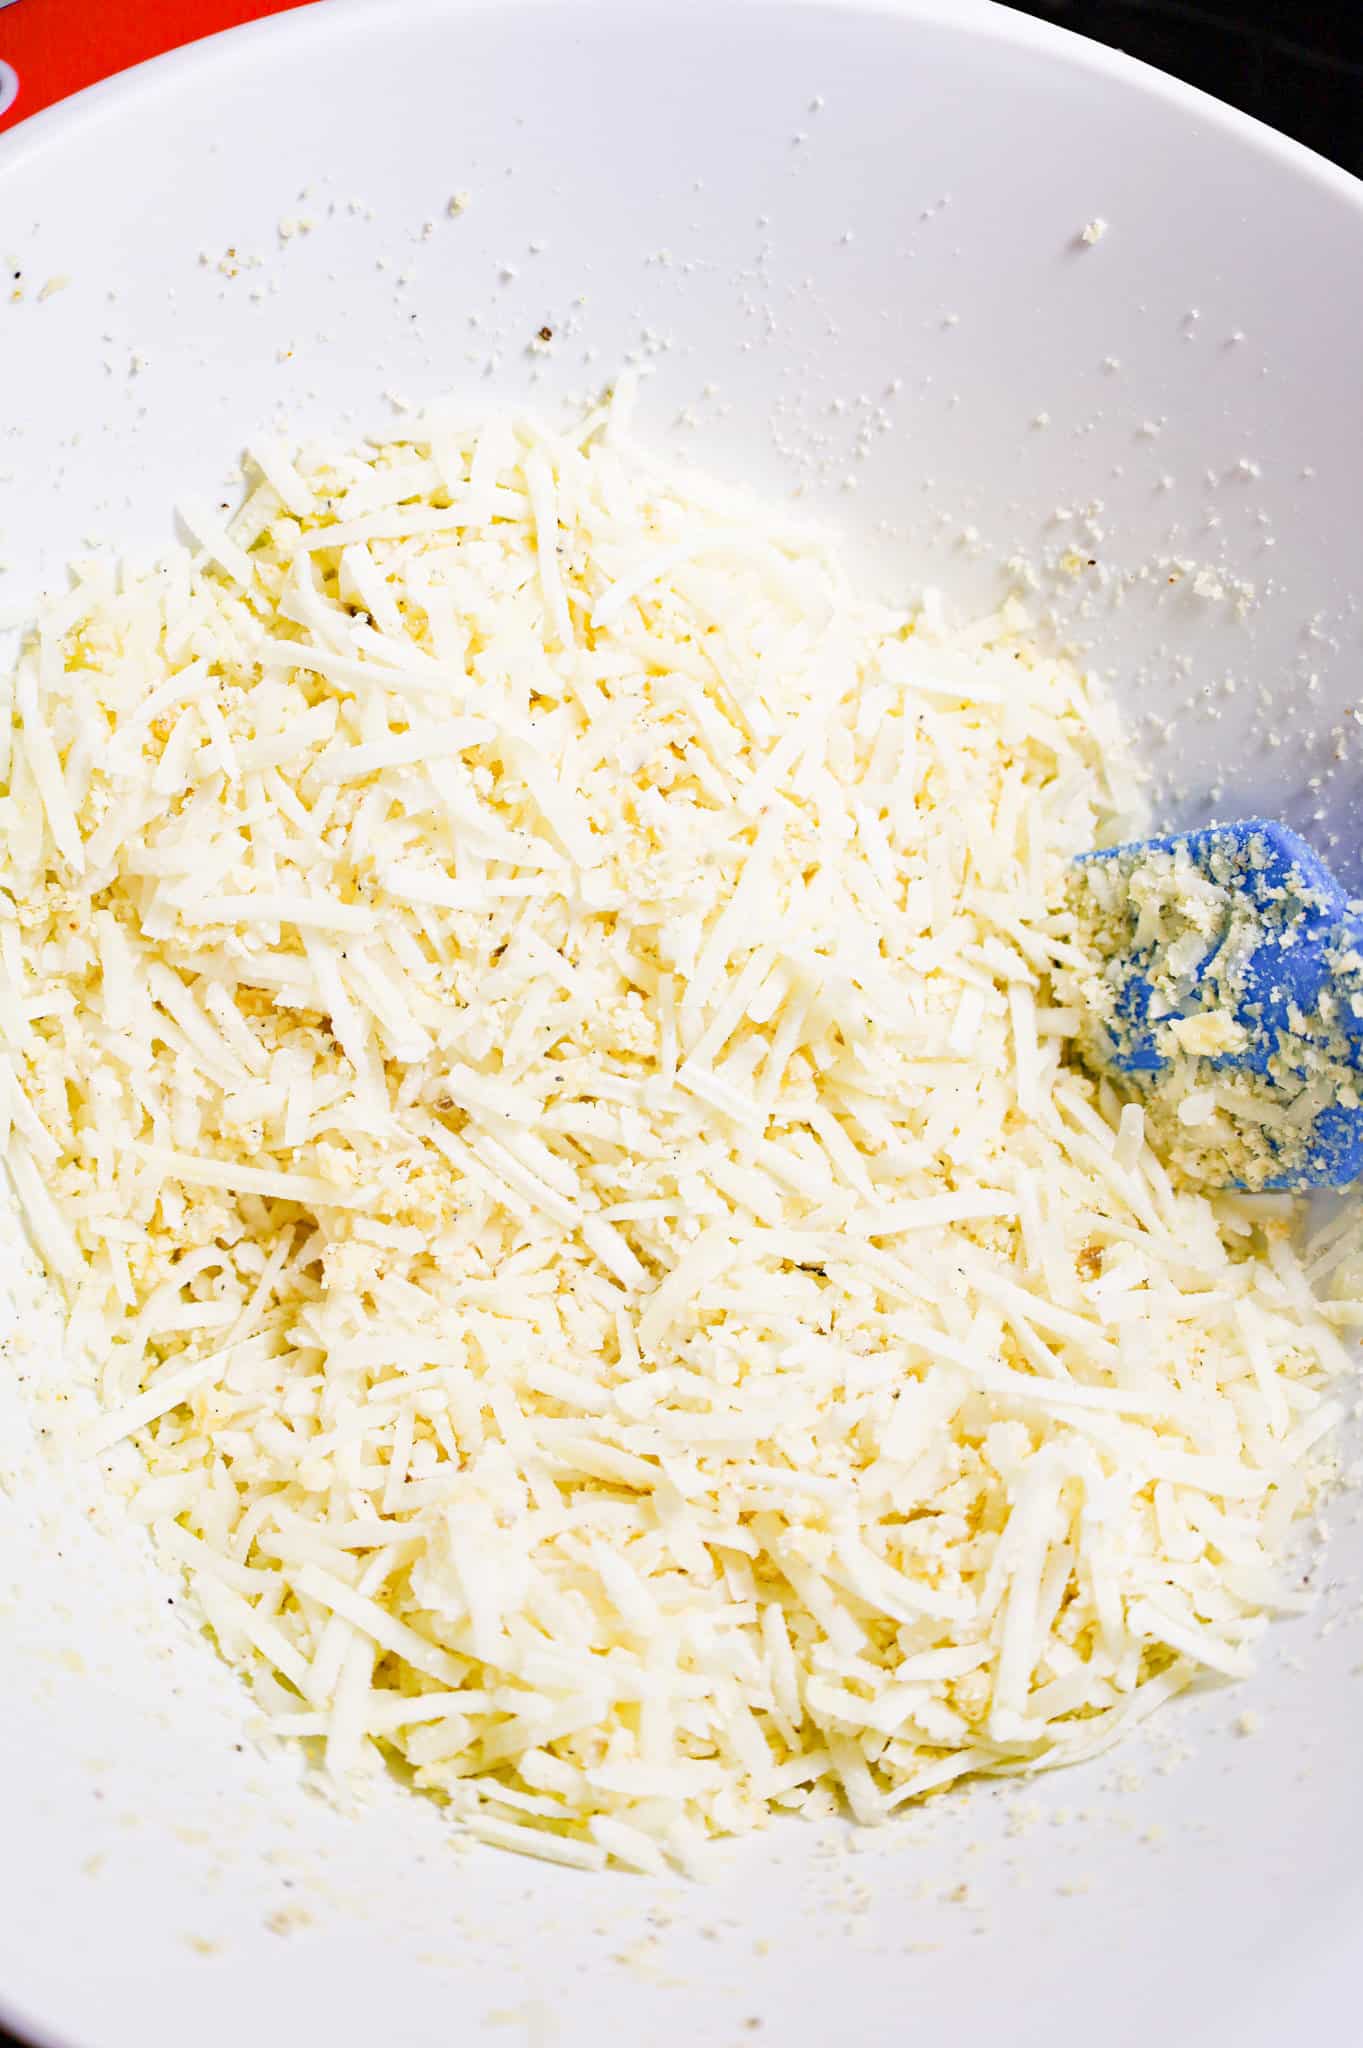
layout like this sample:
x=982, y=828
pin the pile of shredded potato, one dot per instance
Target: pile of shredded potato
x=530, y=1052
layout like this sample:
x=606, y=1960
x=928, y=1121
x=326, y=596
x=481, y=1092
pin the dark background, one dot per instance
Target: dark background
x=1298, y=68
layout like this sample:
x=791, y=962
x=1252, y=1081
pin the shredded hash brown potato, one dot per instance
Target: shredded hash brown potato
x=530, y=1052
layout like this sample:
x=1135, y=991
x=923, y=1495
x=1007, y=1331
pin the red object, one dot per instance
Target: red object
x=49, y=48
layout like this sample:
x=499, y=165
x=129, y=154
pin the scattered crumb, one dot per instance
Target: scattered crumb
x=1093, y=232
x=288, y=1919
x=538, y=2020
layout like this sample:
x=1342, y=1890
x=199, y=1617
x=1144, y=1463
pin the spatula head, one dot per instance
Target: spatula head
x=1228, y=1000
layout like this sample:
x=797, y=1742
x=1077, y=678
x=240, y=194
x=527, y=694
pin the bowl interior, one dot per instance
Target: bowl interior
x=845, y=245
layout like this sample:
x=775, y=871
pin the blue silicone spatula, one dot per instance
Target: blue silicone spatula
x=1227, y=999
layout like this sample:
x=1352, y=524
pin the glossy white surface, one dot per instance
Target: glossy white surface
x=887, y=287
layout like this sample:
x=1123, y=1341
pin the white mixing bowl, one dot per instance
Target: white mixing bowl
x=848, y=243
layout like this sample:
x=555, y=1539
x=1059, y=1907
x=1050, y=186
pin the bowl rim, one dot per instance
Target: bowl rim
x=142, y=83
x=160, y=77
